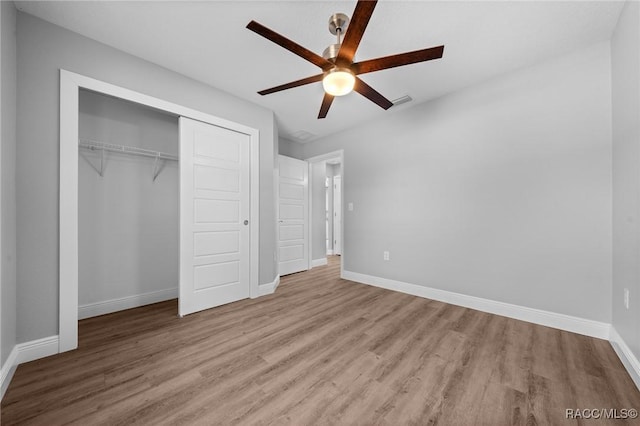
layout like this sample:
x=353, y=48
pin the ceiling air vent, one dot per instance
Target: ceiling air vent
x=302, y=135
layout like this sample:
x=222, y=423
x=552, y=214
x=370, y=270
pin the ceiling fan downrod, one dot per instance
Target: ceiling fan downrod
x=338, y=23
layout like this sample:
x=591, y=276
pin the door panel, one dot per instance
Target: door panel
x=212, y=243
x=293, y=216
x=214, y=204
x=216, y=274
x=291, y=232
x=291, y=253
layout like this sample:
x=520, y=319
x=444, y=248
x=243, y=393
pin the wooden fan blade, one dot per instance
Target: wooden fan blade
x=370, y=93
x=397, y=60
x=326, y=104
x=297, y=83
x=290, y=45
x=355, y=30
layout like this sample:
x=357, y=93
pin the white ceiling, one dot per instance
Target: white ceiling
x=208, y=41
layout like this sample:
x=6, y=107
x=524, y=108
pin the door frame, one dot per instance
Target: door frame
x=316, y=159
x=333, y=181
x=70, y=85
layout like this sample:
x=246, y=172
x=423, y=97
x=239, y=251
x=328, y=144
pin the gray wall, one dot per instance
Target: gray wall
x=500, y=191
x=7, y=168
x=128, y=224
x=43, y=49
x=318, y=210
x=625, y=61
x=290, y=148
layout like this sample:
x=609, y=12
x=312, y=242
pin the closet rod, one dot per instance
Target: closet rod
x=96, y=145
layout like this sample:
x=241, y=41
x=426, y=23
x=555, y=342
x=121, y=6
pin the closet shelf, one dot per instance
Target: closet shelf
x=104, y=147
x=95, y=145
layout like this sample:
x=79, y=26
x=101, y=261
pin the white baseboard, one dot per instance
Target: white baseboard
x=36, y=349
x=115, y=305
x=7, y=370
x=329, y=252
x=537, y=316
x=627, y=357
x=318, y=262
x=269, y=288
x=25, y=352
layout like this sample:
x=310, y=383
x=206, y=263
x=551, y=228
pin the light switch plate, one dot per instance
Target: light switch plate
x=626, y=298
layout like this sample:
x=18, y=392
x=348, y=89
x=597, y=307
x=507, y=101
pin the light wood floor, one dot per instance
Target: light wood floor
x=320, y=351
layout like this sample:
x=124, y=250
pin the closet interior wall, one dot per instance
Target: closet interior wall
x=128, y=222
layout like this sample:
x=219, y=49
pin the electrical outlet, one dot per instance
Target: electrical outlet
x=385, y=255
x=626, y=298
x=350, y=207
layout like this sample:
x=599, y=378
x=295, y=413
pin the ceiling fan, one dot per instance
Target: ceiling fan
x=339, y=73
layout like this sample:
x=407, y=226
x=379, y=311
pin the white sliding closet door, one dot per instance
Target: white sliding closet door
x=214, y=214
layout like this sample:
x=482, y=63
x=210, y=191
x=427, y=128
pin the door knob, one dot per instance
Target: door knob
x=246, y=222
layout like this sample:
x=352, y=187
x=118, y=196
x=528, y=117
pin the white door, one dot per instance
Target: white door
x=337, y=214
x=214, y=213
x=293, y=215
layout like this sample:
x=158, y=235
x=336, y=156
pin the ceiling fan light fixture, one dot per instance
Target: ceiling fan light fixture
x=339, y=81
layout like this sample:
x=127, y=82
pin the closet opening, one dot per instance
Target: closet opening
x=157, y=200
x=128, y=205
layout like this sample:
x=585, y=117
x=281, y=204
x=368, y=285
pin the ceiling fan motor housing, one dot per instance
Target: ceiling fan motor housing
x=331, y=52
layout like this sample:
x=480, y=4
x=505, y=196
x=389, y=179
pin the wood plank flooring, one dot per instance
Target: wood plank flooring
x=320, y=351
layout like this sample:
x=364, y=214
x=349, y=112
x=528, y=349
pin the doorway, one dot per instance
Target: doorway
x=70, y=86
x=326, y=212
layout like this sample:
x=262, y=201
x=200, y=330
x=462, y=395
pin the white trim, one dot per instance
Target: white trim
x=328, y=156
x=269, y=288
x=36, y=349
x=120, y=304
x=309, y=214
x=335, y=182
x=318, y=262
x=70, y=84
x=629, y=360
x=25, y=352
x=329, y=252
x=68, y=256
x=7, y=371
x=254, y=211
x=578, y=325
